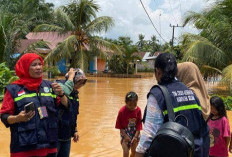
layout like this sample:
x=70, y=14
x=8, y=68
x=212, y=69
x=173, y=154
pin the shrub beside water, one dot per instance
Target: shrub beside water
x=7, y=76
x=118, y=65
x=53, y=70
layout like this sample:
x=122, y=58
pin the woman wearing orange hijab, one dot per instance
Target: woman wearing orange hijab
x=33, y=131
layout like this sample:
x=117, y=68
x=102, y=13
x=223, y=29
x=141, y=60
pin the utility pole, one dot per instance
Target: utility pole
x=173, y=32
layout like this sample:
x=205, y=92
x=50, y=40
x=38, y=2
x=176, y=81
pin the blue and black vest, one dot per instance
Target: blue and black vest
x=36, y=133
x=68, y=117
x=184, y=102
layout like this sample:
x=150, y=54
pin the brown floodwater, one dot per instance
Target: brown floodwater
x=100, y=100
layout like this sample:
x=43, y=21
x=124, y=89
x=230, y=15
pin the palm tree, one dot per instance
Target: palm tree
x=154, y=44
x=124, y=40
x=129, y=55
x=211, y=49
x=33, y=12
x=79, y=18
x=16, y=20
x=10, y=28
x=141, y=43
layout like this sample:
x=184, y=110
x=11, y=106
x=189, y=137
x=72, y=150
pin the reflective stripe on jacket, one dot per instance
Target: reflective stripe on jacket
x=36, y=133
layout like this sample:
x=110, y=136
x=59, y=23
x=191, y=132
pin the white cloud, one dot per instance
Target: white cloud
x=131, y=19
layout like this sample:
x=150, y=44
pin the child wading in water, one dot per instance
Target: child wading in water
x=219, y=129
x=129, y=122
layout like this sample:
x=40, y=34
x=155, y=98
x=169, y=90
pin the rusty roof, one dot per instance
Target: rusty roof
x=53, y=38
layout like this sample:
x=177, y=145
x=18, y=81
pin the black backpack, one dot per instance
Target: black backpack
x=172, y=139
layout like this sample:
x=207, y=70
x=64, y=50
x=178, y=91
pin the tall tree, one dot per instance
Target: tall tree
x=79, y=18
x=129, y=55
x=141, y=43
x=124, y=40
x=32, y=12
x=17, y=18
x=10, y=28
x=211, y=49
x=154, y=44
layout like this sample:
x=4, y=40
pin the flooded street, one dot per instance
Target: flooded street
x=100, y=101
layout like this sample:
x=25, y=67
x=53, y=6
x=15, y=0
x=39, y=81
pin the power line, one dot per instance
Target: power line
x=173, y=31
x=151, y=21
x=160, y=21
x=160, y=14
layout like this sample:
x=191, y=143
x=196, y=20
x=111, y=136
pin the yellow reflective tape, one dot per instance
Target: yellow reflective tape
x=186, y=107
x=33, y=95
x=72, y=98
x=25, y=96
x=49, y=94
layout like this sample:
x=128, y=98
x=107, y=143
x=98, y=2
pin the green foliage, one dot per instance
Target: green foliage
x=141, y=43
x=211, y=48
x=151, y=45
x=227, y=101
x=118, y=65
x=154, y=45
x=17, y=18
x=178, y=52
x=146, y=69
x=30, y=12
x=79, y=18
x=52, y=69
x=6, y=77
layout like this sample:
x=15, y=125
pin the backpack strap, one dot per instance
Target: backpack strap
x=144, y=115
x=167, y=98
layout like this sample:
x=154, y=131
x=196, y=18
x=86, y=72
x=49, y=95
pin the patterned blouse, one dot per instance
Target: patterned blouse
x=154, y=119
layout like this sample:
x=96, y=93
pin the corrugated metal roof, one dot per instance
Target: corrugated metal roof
x=22, y=44
x=53, y=38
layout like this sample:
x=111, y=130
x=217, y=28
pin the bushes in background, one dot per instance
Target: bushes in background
x=7, y=76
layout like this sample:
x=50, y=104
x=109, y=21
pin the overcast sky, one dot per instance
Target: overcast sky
x=131, y=19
